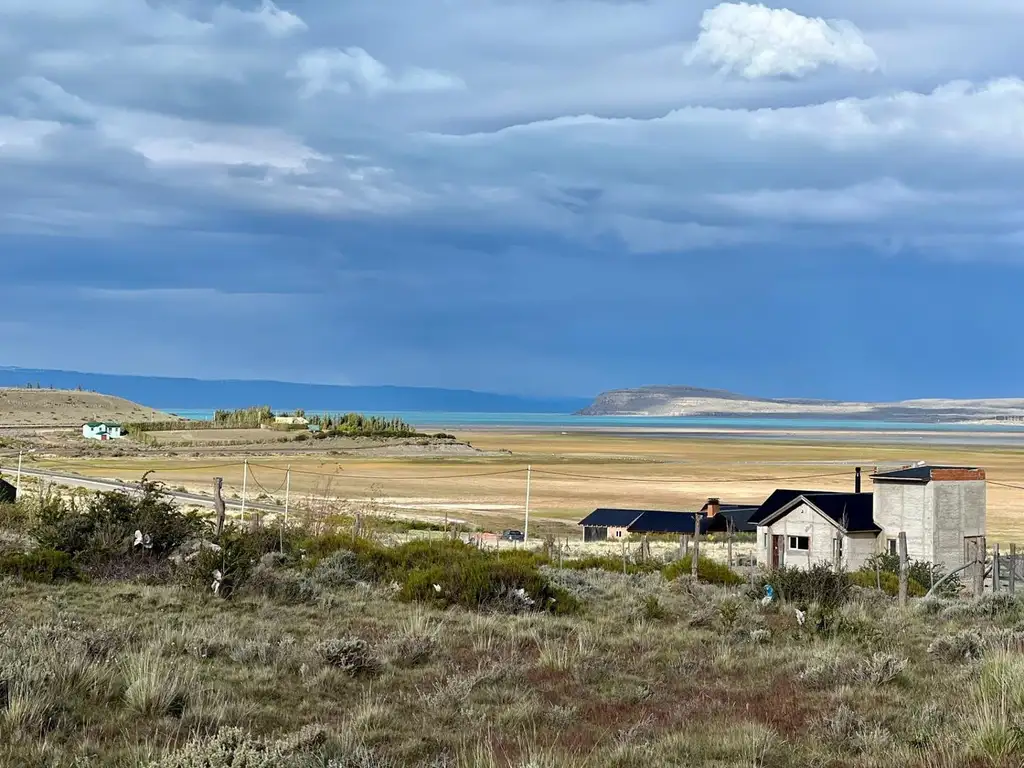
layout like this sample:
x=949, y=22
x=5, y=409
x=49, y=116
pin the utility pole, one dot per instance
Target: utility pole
x=287, y=492
x=526, y=528
x=245, y=482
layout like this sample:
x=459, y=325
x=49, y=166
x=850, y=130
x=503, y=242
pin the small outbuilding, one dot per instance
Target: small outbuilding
x=102, y=430
x=293, y=421
x=729, y=518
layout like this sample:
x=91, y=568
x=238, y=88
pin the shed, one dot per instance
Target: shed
x=8, y=493
x=102, y=430
x=603, y=524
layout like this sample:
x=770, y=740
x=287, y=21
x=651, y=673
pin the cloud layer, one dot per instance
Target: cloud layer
x=493, y=156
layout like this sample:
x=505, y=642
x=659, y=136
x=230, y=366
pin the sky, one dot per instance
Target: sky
x=548, y=197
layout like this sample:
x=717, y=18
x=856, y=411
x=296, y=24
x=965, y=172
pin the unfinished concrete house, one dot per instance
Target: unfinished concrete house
x=941, y=510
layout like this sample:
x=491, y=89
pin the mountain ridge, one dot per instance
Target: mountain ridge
x=169, y=393
x=673, y=400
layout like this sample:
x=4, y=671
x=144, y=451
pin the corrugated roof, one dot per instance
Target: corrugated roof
x=778, y=500
x=611, y=518
x=654, y=521
x=739, y=515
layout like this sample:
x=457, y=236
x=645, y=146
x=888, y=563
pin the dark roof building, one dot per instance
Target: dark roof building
x=654, y=521
x=732, y=516
x=611, y=518
x=777, y=501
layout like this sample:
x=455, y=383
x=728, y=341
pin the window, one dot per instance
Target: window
x=892, y=546
x=837, y=549
x=802, y=543
x=618, y=534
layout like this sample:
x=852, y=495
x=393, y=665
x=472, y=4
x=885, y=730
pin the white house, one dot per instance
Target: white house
x=102, y=430
x=799, y=529
x=941, y=510
x=295, y=421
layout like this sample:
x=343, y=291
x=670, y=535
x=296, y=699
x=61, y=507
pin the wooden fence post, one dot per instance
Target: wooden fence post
x=218, y=504
x=904, y=567
x=682, y=545
x=623, y=555
x=996, y=574
x=696, y=545
x=729, y=544
x=979, y=568
x=1013, y=568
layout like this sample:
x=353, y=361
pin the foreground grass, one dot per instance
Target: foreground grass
x=653, y=673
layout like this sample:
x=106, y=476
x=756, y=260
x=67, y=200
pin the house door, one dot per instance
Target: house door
x=778, y=548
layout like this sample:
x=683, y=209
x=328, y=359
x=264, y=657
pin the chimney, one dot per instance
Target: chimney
x=856, y=481
x=713, y=506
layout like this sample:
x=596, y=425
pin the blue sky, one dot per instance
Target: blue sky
x=530, y=196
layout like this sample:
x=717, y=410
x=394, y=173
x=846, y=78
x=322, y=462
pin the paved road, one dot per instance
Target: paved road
x=77, y=481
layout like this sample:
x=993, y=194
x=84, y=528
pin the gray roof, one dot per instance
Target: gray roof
x=611, y=518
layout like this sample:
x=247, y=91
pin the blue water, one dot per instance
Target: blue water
x=441, y=420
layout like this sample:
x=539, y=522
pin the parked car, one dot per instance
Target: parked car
x=510, y=535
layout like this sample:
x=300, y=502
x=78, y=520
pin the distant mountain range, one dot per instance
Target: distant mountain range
x=666, y=401
x=167, y=393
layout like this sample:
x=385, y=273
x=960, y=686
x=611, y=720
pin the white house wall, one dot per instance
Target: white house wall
x=800, y=521
x=907, y=507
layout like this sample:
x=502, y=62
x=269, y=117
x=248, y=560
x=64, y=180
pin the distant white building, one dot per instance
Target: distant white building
x=102, y=430
x=295, y=421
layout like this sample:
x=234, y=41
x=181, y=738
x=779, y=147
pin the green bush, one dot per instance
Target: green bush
x=920, y=571
x=708, y=570
x=822, y=584
x=45, y=565
x=104, y=530
x=890, y=583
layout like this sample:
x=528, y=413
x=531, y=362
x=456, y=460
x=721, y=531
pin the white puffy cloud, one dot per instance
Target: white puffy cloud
x=756, y=41
x=342, y=71
x=272, y=19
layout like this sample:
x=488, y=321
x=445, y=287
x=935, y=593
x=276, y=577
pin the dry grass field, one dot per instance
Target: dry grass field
x=46, y=407
x=573, y=474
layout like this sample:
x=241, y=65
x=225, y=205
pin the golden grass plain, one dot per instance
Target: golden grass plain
x=574, y=473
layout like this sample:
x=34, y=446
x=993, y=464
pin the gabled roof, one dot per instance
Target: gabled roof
x=778, y=500
x=737, y=514
x=853, y=512
x=929, y=472
x=611, y=518
x=108, y=424
x=654, y=521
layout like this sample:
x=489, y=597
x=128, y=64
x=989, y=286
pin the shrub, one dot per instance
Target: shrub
x=105, y=529
x=45, y=565
x=890, y=583
x=959, y=647
x=351, y=655
x=822, y=584
x=708, y=570
x=923, y=573
x=611, y=564
x=232, y=748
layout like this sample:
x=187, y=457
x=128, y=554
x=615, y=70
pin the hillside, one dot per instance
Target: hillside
x=184, y=394
x=56, y=407
x=669, y=401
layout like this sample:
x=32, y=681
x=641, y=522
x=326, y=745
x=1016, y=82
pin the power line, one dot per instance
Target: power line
x=686, y=480
x=394, y=477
